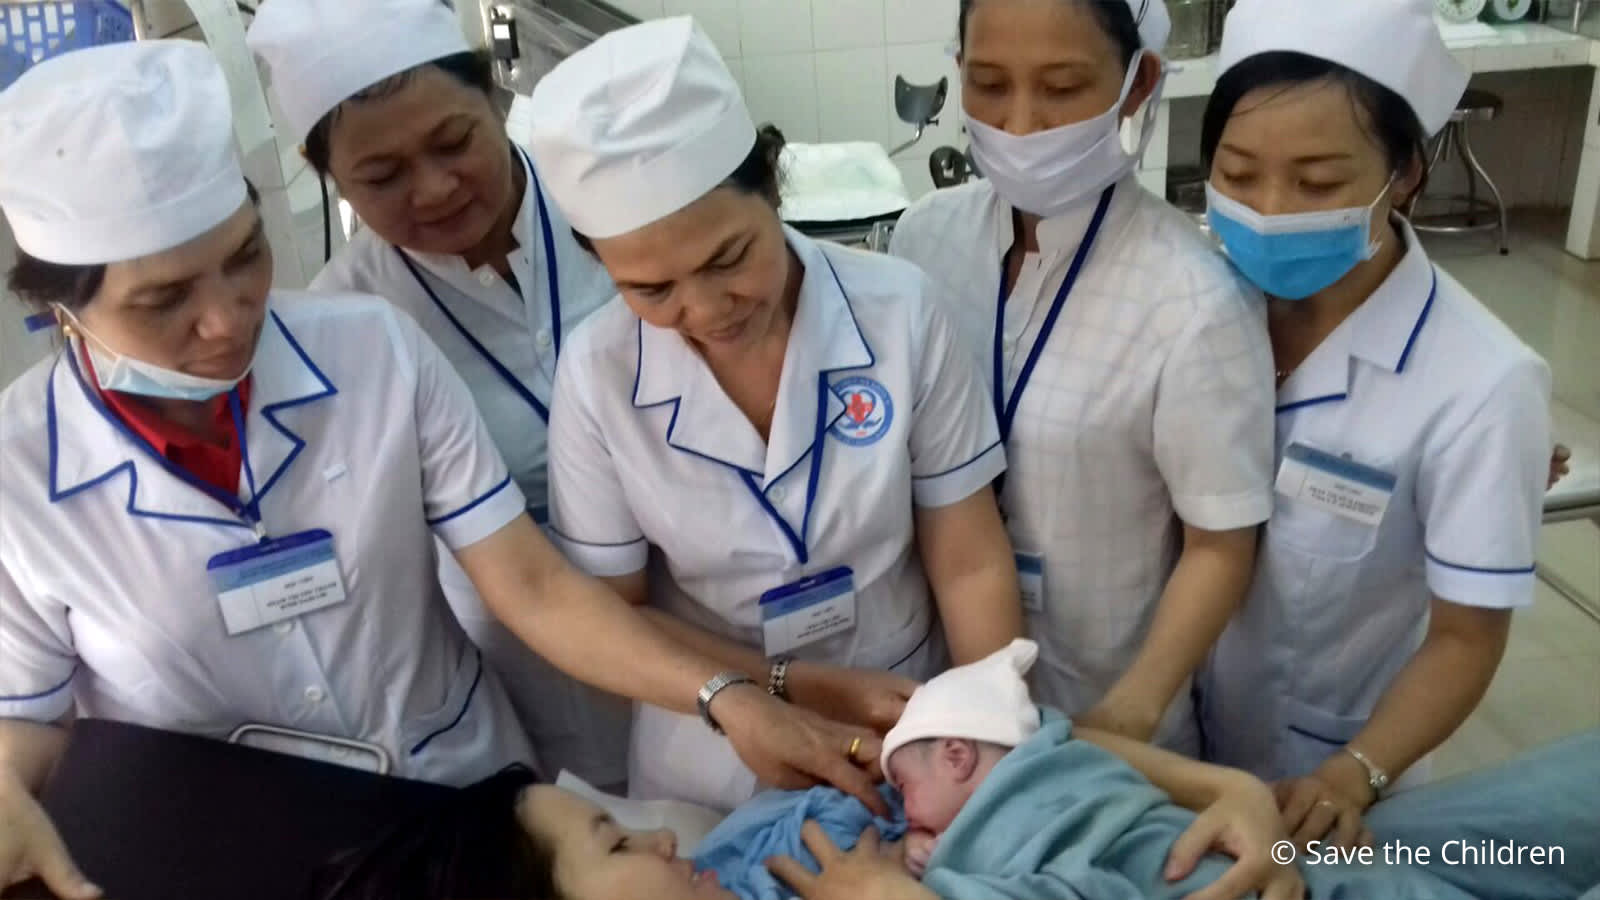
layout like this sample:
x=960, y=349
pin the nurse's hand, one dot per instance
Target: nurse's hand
x=1559, y=465
x=864, y=873
x=30, y=846
x=793, y=748
x=867, y=698
x=1242, y=823
x=1318, y=808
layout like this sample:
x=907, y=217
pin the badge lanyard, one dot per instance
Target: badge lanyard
x=1006, y=408
x=555, y=300
x=249, y=511
x=798, y=540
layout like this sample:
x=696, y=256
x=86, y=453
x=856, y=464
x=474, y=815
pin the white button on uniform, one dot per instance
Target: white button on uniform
x=314, y=694
x=284, y=627
x=778, y=493
x=542, y=338
x=487, y=278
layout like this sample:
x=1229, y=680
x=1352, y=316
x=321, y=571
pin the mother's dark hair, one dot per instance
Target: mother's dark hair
x=1387, y=118
x=472, y=846
x=1116, y=18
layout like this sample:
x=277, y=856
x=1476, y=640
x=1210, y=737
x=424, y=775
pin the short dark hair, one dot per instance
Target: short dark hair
x=46, y=284
x=761, y=173
x=471, y=846
x=473, y=68
x=1385, y=115
x=1116, y=18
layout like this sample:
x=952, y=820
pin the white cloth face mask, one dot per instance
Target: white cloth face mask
x=126, y=375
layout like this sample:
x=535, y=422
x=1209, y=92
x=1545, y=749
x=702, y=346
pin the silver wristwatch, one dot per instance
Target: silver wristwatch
x=1377, y=779
x=718, y=683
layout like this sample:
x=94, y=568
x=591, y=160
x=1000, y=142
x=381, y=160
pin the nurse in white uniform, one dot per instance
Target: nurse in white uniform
x=458, y=231
x=791, y=426
x=219, y=501
x=1413, y=427
x=1130, y=365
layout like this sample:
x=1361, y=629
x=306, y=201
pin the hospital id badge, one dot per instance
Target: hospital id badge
x=276, y=580
x=807, y=611
x=1335, y=484
x=1030, y=577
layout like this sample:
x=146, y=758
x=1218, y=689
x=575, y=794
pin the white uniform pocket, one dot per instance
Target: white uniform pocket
x=424, y=734
x=1311, y=735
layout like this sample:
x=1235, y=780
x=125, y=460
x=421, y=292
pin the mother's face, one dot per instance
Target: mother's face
x=595, y=859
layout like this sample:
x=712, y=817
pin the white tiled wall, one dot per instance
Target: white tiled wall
x=823, y=70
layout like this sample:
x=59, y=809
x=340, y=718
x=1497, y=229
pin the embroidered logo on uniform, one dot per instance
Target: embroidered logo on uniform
x=868, y=412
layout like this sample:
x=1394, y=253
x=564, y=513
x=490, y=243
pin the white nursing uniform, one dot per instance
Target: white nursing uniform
x=1424, y=386
x=105, y=604
x=503, y=337
x=1150, y=406
x=880, y=410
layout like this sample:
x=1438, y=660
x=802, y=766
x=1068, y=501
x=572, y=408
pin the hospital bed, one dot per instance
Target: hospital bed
x=1577, y=497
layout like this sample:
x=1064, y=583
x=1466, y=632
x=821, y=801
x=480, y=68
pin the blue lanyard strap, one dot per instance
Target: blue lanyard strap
x=1006, y=408
x=800, y=540
x=250, y=512
x=554, y=282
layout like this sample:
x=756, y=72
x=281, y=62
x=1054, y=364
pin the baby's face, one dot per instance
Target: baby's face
x=933, y=792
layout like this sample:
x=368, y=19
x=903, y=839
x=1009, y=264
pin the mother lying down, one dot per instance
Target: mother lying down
x=1001, y=799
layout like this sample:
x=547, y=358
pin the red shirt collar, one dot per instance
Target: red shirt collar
x=217, y=465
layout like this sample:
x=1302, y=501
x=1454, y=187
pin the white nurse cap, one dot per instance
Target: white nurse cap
x=1155, y=23
x=320, y=53
x=116, y=152
x=1393, y=42
x=637, y=126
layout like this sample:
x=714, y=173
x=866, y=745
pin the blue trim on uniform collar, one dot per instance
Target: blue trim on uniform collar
x=1427, y=309
x=127, y=465
x=1312, y=401
x=677, y=401
x=57, y=494
x=268, y=412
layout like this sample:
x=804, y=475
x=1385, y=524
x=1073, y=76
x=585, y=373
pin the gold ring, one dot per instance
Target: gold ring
x=855, y=747
x=1326, y=803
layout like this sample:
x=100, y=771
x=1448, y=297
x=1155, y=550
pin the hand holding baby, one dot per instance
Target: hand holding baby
x=865, y=873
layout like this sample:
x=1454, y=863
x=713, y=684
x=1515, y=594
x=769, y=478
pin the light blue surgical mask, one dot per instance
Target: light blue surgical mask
x=126, y=375
x=1293, y=257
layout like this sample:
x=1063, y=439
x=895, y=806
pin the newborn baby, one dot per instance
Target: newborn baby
x=954, y=731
